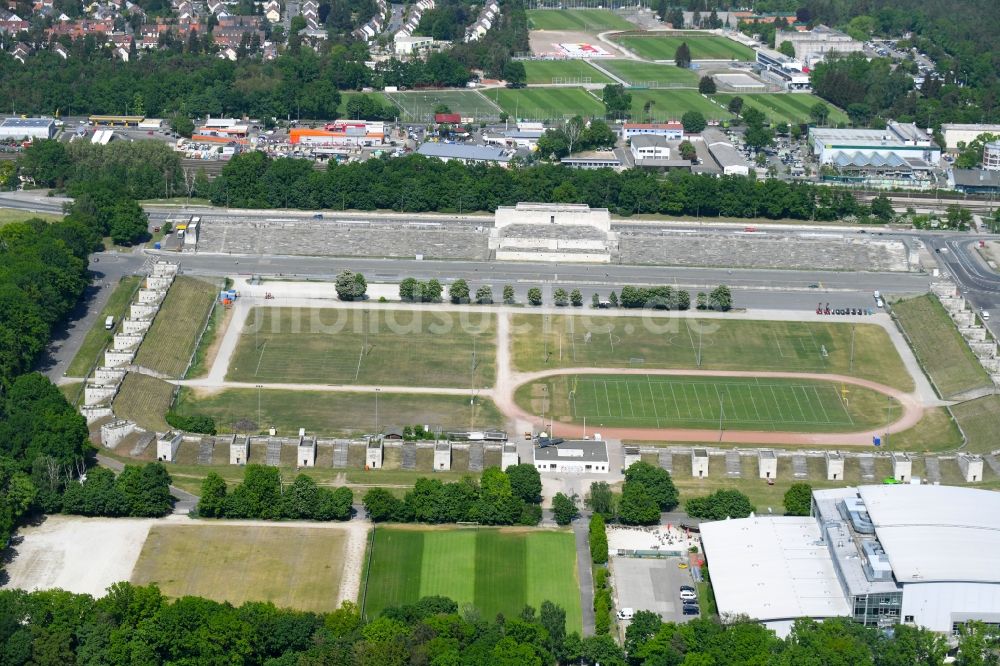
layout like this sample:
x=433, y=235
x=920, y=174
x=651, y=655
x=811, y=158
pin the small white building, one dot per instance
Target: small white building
x=971, y=466
x=167, y=445
x=902, y=467
x=581, y=456
x=373, y=453
x=699, y=463
x=834, y=466
x=239, y=450
x=509, y=457
x=767, y=464
x=649, y=147
x=306, y=452
x=442, y=456
x=955, y=133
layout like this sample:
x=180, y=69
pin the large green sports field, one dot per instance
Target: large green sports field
x=497, y=570
x=563, y=71
x=786, y=107
x=738, y=403
x=545, y=342
x=663, y=46
x=650, y=74
x=672, y=104
x=374, y=347
x=335, y=412
x=586, y=20
x=547, y=103
x=419, y=105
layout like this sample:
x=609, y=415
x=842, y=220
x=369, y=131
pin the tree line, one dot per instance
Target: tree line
x=500, y=497
x=417, y=184
x=136, y=624
x=262, y=496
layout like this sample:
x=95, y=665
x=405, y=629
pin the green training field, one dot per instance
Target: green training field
x=496, y=569
x=785, y=107
x=940, y=348
x=336, y=413
x=375, y=347
x=563, y=71
x=171, y=340
x=586, y=20
x=742, y=403
x=419, y=105
x=545, y=342
x=663, y=46
x=651, y=74
x=547, y=103
x=201, y=560
x=672, y=104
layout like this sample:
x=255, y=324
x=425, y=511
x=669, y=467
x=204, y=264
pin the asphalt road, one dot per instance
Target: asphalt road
x=977, y=282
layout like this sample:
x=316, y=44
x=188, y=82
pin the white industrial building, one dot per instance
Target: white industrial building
x=407, y=44
x=787, y=72
x=580, y=456
x=27, y=128
x=811, y=46
x=905, y=141
x=955, y=133
x=924, y=555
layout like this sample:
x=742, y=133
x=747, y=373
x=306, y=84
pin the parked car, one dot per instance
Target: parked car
x=626, y=614
x=690, y=610
x=689, y=593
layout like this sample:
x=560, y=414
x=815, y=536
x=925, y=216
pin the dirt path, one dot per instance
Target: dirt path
x=913, y=410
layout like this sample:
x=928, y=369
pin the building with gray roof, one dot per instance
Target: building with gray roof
x=27, y=128
x=578, y=456
x=464, y=153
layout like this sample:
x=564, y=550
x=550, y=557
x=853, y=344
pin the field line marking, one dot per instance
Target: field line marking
x=781, y=352
x=722, y=406
x=607, y=397
x=808, y=401
x=694, y=350
x=844, y=405
x=697, y=397
x=677, y=407
x=652, y=397
x=629, y=390
x=798, y=403
x=779, y=412
x=260, y=358
x=361, y=355
x=752, y=401
x=821, y=406
x=618, y=394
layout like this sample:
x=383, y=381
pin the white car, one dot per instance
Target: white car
x=985, y=315
x=688, y=595
x=626, y=614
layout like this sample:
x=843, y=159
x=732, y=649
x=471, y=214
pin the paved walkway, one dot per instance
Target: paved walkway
x=581, y=533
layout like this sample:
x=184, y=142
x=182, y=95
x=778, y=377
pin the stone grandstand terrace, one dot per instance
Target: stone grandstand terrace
x=343, y=238
x=829, y=252
x=553, y=231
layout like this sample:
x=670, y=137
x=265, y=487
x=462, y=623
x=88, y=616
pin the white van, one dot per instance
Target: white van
x=109, y=323
x=985, y=315
x=626, y=614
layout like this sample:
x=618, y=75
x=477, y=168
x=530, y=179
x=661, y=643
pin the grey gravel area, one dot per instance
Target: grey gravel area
x=552, y=231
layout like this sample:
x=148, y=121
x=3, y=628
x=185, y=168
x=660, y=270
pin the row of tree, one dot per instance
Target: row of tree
x=498, y=498
x=418, y=184
x=262, y=496
x=133, y=624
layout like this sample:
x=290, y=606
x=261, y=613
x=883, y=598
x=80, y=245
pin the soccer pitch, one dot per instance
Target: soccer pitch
x=663, y=46
x=586, y=20
x=498, y=570
x=786, y=107
x=548, y=342
x=672, y=104
x=366, y=347
x=547, y=103
x=563, y=71
x=735, y=403
x=418, y=106
x=651, y=74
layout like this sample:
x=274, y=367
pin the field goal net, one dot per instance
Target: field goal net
x=572, y=80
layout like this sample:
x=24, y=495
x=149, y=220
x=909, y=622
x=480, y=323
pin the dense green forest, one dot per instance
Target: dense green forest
x=418, y=184
x=137, y=625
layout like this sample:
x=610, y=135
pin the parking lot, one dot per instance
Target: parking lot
x=650, y=584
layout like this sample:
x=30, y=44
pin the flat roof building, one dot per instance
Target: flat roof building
x=580, y=456
x=955, y=133
x=974, y=181
x=813, y=45
x=916, y=554
x=904, y=140
x=672, y=130
x=464, y=153
x=731, y=161
x=27, y=128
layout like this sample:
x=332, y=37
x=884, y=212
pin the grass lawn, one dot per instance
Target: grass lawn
x=663, y=46
x=639, y=73
x=980, y=420
x=585, y=20
x=72, y=391
x=562, y=71
x=337, y=413
x=937, y=431
x=294, y=567
x=785, y=107
x=498, y=570
x=672, y=104
x=371, y=347
x=649, y=401
x=939, y=346
x=145, y=400
x=418, y=105
x=172, y=338
x=10, y=215
x=561, y=341
x=97, y=337
x=208, y=346
x=547, y=103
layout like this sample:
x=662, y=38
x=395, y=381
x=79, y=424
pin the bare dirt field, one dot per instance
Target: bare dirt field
x=545, y=42
x=83, y=555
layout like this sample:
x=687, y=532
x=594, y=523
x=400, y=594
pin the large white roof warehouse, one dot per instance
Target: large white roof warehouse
x=791, y=577
x=917, y=554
